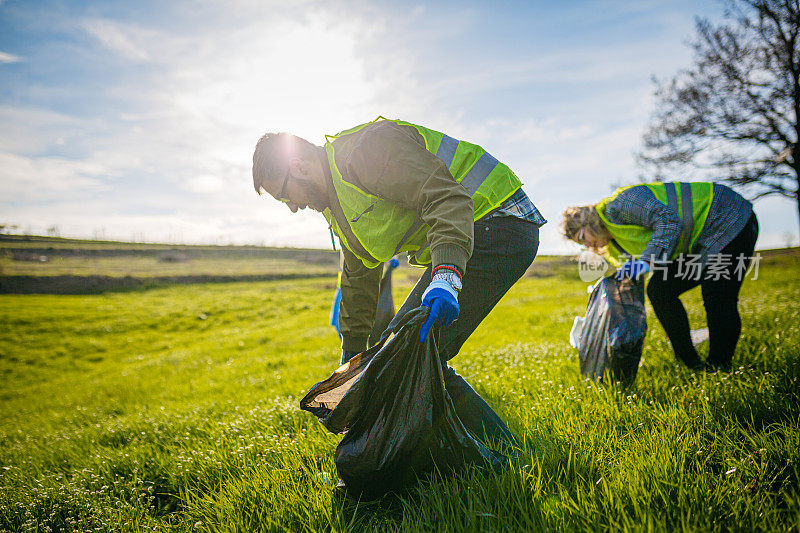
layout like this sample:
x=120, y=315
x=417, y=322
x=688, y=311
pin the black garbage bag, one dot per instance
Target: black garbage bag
x=385, y=311
x=613, y=332
x=399, y=421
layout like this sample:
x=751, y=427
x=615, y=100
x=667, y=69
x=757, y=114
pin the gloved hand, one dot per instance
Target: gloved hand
x=633, y=269
x=442, y=299
x=346, y=356
x=394, y=263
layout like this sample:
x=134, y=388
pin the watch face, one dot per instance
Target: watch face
x=455, y=281
x=450, y=277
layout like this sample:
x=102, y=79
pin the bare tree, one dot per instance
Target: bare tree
x=733, y=115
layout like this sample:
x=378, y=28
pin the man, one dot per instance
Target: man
x=689, y=234
x=389, y=186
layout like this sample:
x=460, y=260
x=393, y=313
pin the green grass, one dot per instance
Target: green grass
x=176, y=409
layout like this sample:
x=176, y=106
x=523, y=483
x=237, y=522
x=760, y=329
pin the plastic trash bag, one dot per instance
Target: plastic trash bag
x=575, y=332
x=699, y=336
x=611, y=336
x=399, y=421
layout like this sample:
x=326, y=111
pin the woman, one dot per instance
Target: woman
x=689, y=234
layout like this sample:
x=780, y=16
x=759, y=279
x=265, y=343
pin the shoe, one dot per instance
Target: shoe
x=712, y=366
x=694, y=364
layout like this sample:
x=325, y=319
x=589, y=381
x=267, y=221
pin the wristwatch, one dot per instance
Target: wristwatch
x=450, y=277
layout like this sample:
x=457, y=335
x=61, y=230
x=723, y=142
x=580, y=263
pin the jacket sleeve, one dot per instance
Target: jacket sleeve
x=391, y=162
x=638, y=206
x=360, y=287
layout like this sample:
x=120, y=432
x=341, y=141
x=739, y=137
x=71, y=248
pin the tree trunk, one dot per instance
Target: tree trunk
x=796, y=164
x=797, y=198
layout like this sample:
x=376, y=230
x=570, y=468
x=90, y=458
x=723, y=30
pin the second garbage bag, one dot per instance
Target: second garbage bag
x=611, y=336
x=398, y=419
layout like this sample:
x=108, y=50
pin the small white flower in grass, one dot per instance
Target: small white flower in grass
x=731, y=471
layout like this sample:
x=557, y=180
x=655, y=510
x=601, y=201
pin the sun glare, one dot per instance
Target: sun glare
x=304, y=77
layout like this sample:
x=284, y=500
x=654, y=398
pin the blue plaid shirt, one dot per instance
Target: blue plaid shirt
x=638, y=206
x=520, y=206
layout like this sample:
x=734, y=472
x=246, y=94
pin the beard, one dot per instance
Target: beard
x=315, y=198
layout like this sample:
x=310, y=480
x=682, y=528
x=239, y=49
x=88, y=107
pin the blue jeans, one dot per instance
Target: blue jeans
x=504, y=249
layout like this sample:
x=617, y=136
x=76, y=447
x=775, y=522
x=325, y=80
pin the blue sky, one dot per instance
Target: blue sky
x=138, y=120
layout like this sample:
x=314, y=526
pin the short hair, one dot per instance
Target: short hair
x=272, y=155
x=578, y=217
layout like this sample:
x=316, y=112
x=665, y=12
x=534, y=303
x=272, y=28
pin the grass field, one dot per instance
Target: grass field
x=176, y=409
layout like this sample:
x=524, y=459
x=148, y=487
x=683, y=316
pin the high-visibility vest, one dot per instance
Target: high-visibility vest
x=690, y=201
x=384, y=229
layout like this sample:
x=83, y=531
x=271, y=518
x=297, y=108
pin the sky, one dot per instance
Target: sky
x=137, y=120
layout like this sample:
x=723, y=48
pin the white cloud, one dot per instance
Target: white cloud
x=205, y=184
x=46, y=178
x=119, y=38
x=214, y=97
x=31, y=130
x=174, y=157
x=5, y=57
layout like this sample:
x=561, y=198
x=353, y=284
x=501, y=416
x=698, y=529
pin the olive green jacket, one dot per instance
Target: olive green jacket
x=390, y=161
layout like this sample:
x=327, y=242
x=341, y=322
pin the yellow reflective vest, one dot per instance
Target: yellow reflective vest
x=383, y=228
x=690, y=201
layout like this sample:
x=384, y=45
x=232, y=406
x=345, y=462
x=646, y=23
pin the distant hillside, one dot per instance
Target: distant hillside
x=56, y=246
x=38, y=264
x=52, y=265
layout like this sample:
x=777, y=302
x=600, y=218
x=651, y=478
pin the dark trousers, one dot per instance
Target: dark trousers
x=504, y=249
x=720, y=299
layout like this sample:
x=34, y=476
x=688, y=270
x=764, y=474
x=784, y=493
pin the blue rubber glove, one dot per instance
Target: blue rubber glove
x=337, y=299
x=394, y=263
x=442, y=299
x=633, y=269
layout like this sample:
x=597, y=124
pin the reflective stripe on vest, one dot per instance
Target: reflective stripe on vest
x=471, y=182
x=479, y=171
x=447, y=150
x=685, y=210
x=487, y=181
x=687, y=216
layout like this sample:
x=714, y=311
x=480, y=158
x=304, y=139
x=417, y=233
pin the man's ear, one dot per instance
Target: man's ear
x=298, y=167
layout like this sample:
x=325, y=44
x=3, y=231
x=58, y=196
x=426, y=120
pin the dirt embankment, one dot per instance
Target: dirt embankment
x=315, y=257
x=100, y=284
